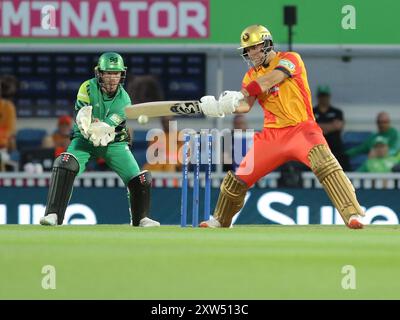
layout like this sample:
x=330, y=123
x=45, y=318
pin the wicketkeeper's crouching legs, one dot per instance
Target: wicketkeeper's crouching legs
x=336, y=184
x=65, y=169
x=230, y=201
x=139, y=192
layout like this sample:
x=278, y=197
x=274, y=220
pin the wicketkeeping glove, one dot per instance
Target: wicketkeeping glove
x=101, y=134
x=84, y=119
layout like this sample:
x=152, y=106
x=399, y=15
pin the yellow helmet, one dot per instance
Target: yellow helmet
x=253, y=35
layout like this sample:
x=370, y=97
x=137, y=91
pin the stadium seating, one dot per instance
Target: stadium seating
x=139, y=146
x=352, y=139
x=29, y=138
x=140, y=156
x=357, y=161
x=139, y=139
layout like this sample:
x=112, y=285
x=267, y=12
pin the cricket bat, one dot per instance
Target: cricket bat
x=163, y=108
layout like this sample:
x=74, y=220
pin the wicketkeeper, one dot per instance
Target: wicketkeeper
x=100, y=131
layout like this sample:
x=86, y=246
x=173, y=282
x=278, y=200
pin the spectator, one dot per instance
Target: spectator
x=172, y=163
x=291, y=175
x=144, y=89
x=384, y=130
x=60, y=139
x=331, y=121
x=147, y=88
x=8, y=88
x=379, y=159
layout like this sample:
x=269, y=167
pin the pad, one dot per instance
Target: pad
x=336, y=184
x=139, y=189
x=230, y=200
x=65, y=169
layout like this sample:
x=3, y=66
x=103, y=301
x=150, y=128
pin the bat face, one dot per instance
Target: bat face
x=163, y=108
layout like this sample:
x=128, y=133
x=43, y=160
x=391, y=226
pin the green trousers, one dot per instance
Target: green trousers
x=117, y=155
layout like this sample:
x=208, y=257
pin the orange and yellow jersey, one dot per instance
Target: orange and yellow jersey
x=289, y=102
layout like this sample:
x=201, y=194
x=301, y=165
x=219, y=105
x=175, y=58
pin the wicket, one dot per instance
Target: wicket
x=196, y=153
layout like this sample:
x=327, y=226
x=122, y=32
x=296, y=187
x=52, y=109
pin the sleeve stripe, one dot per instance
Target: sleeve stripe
x=284, y=70
x=79, y=104
x=81, y=95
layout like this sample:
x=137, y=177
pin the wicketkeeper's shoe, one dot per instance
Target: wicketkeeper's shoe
x=49, y=220
x=212, y=223
x=354, y=223
x=147, y=222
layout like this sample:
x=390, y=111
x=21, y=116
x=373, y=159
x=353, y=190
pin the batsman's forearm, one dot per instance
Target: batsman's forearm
x=245, y=105
x=264, y=83
x=271, y=79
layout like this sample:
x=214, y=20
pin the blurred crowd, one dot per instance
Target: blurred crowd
x=8, y=119
x=377, y=151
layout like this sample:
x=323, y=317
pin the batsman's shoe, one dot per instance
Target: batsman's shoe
x=147, y=222
x=212, y=223
x=354, y=223
x=49, y=220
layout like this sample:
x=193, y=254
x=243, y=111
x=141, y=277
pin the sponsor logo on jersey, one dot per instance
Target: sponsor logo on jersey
x=116, y=118
x=287, y=64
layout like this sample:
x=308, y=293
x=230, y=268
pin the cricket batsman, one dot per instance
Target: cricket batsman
x=278, y=80
x=100, y=131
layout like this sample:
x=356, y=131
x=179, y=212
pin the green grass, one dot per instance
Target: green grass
x=263, y=262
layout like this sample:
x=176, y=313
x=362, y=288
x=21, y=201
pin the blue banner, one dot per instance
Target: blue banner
x=23, y=205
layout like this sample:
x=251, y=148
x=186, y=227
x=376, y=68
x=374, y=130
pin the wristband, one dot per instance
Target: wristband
x=254, y=89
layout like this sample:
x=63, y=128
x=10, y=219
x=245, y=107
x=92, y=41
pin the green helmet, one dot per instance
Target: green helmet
x=111, y=61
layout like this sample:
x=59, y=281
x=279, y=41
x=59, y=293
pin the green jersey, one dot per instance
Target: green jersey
x=391, y=135
x=379, y=165
x=110, y=110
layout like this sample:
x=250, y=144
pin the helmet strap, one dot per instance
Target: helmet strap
x=123, y=77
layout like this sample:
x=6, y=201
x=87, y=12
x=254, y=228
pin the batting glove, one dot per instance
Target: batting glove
x=210, y=107
x=229, y=101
